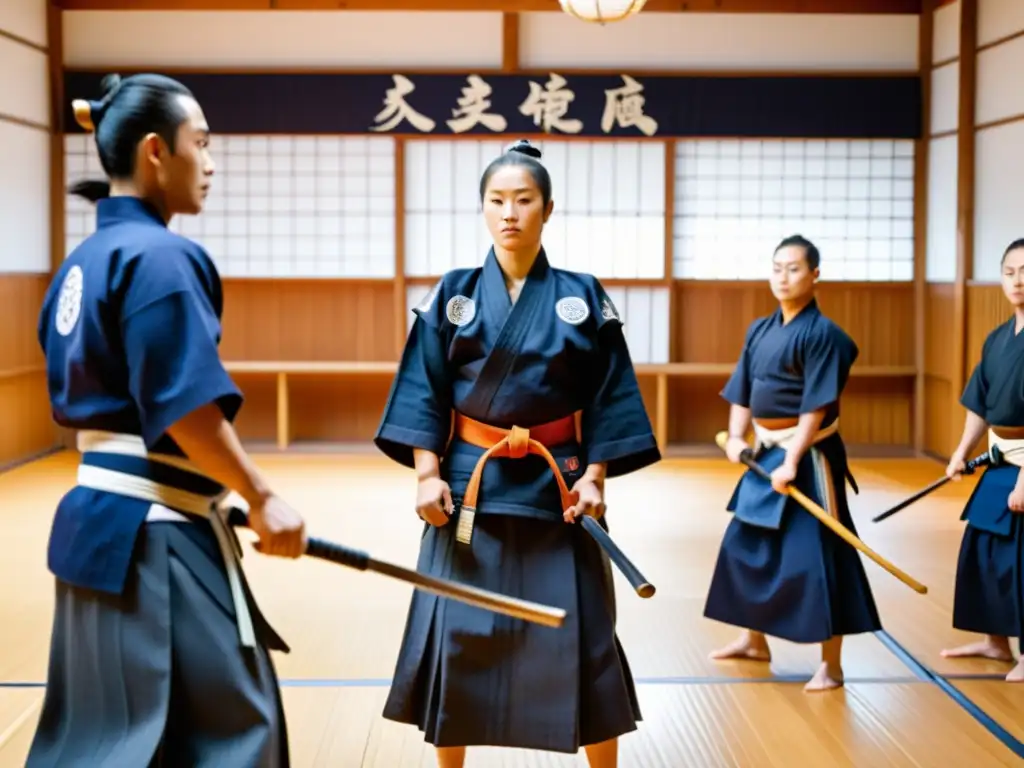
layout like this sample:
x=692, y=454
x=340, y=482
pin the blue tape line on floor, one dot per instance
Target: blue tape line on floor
x=1008, y=740
x=370, y=682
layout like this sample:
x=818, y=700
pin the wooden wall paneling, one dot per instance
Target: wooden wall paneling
x=21, y=297
x=329, y=409
x=925, y=39
x=987, y=308
x=965, y=203
x=711, y=322
x=942, y=423
x=320, y=320
x=878, y=412
x=24, y=403
x=713, y=317
x=938, y=357
x=258, y=419
x=28, y=431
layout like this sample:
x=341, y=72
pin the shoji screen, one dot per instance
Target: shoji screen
x=608, y=220
x=736, y=199
x=281, y=206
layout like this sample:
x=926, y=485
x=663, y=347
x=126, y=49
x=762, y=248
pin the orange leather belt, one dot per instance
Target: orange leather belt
x=514, y=443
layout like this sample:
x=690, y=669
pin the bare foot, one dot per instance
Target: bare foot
x=749, y=646
x=1016, y=675
x=827, y=678
x=995, y=648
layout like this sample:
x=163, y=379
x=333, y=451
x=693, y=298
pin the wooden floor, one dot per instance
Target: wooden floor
x=344, y=628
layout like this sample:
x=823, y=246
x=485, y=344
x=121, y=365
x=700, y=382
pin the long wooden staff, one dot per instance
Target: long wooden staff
x=481, y=598
x=993, y=457
x=747, y=458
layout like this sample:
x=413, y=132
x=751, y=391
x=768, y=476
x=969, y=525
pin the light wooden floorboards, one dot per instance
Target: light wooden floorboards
x=344, y=627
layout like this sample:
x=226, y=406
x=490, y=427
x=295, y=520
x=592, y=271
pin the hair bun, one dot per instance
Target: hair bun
x=109, y=85
x=524, y=147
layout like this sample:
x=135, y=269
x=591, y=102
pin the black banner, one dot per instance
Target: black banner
x=621, y=105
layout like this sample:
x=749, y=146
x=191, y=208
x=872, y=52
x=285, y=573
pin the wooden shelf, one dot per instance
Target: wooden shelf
x=336, y=368
x=357, y=368
x=282, y=369
x=725, y=369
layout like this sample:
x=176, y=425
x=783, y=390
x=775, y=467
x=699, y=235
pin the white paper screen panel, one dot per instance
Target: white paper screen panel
x=999, y=157
x=24, y=199
x=998, y=19
x=946, y=33
x=1000, y=96
x=24, y=82
x=281, y=206
x=736, y=199
x=609, y=206
x=940, y=261
x=25, y=19
x=945, y=106
x=643, y=309
x=645, y=316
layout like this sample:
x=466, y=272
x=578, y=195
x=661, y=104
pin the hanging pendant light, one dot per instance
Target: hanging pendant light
x=602, y=11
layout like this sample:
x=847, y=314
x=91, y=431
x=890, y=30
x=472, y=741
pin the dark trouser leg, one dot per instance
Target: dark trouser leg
x=155, y=675
x=225, y=704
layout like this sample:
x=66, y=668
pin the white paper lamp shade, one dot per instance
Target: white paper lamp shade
x=602, y=11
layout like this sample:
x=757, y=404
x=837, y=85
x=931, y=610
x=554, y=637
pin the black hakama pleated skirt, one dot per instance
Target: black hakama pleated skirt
x=466, y=676
x=800, y=581
x=989, y=592
x=156, y=676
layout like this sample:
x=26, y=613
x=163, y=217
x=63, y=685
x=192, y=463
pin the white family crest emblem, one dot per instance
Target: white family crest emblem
x=460, y=310
x=572, y=309
x=608, y=311
x=69, y=303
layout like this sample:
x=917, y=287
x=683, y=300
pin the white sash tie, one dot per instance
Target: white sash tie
x=166, y=500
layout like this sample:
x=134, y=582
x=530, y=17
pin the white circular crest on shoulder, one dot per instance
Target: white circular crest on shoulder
x=69, y=303
x=460, y=310
x=608, y=311
x=572, y=309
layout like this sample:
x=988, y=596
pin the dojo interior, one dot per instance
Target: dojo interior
x=318, y=234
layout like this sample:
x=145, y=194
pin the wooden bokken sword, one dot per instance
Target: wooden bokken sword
x=481, y=598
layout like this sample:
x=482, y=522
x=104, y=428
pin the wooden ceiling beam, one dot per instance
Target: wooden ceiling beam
x=502, y=6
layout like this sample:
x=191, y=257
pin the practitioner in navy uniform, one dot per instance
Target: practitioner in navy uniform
x=519, y=354
x=989, y=595
x=780, y=571
x=158, y=655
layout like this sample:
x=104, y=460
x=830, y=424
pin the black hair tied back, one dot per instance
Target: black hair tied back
x=129, y=110
x=89, y=114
